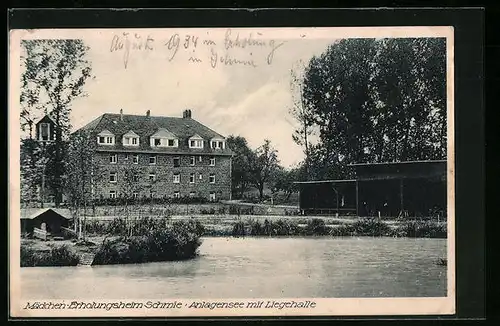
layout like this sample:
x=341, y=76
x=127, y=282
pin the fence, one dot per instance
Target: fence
x=40, y=234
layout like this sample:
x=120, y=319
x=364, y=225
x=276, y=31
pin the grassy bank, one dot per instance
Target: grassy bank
x=63, y=255
x=273, y=226
x=318, y=227
x=118, y=243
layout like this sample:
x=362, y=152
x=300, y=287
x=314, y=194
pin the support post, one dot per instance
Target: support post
x=357, y=198
x=401, y=196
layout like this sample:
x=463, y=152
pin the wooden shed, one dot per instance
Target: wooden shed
x=48, y=219
x=416, y=188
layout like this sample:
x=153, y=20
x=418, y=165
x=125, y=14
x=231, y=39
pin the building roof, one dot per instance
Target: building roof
x=396, y=170
x=30, y=214
x=398, y=163
x=325, y=181
x=45, y=118
x=145, y=126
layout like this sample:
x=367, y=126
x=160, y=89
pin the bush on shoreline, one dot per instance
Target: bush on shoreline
x=180, y=241
x=422, y=229
x=317, y=227
x=56, y=256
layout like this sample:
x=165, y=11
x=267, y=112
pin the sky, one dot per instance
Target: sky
x=250, y=100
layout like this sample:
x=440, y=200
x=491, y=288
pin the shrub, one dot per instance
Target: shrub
x=284, y=227
x=343, y=230
x=238, y=229
x=179, y=241
x=56, y=256
x=316, y=226
x=422, y=229
x=28, y=256
x=371, y=227
x=117, y=226
x=63, y=256
x=95, y=227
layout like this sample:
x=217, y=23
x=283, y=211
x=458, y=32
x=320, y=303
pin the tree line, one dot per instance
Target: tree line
x=368, y=101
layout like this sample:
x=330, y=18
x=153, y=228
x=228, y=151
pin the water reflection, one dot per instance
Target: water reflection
x=260, y=267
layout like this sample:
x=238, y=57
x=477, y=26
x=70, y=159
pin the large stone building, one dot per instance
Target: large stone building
x=159, y=157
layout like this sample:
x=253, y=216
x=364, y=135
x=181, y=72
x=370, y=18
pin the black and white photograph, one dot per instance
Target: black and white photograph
x=231, y=171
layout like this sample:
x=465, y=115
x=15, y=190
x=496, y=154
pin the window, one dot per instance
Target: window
x=130, y=141
x=135, y=195
x=192, y=194
x=177, y=178
x=191, y=178
x=108, y=140
x=152, y=194
x=112, y=194
x=112, y=177
x=44, y=131
x=193, y=159
x=212, y=161
x=212, y=196
x=105, y=138
x=163, y=142
x=135, y=159
x=152, y=159
x=112, y=159
x=200, y=176
x=152, y=176
x=135, y=177
x=200, y=159
x=196, y=143
x=217, y=144
x=211, y=178
x=177, y=194
x=177, y=162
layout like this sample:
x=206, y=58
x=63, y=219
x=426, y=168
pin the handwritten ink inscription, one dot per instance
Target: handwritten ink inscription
x=126, y=42
x=235, y=49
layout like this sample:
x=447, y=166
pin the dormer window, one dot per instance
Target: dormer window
x=218, y=143
x=163, y=138
x=105, y=138
x=195, y=142
x=130, y=139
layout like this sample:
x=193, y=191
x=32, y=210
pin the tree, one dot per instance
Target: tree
x=241, y=165
x=83, y=174
x=32, y=163
x=264, y=164
x=284, y=179
x=411, y=92
x=53, y=74
x=301, y=135
x=376, y=100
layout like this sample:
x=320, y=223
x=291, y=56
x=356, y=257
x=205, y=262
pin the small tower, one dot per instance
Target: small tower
x=45, y=129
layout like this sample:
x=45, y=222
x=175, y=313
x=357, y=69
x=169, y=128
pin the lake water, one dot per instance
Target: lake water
x=260, y=268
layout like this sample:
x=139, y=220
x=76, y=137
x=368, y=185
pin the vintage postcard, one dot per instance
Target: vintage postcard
x=231, y=172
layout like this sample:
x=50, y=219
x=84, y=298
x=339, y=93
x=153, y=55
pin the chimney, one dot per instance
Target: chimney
x=186, y=114
x=121, y=114
x=148, y=113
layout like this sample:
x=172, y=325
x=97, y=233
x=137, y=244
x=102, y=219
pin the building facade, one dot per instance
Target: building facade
x=159, y=157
